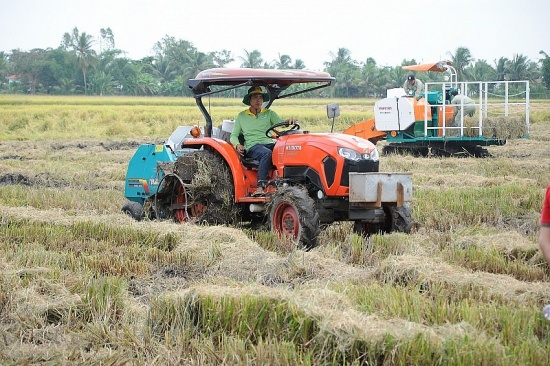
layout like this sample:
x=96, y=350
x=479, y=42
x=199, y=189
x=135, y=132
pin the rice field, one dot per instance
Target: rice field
x=81, y=283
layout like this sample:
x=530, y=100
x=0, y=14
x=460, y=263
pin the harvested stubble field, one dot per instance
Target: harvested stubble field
x=81, y=283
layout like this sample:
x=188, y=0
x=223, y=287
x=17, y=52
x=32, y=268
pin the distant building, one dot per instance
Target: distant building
x=12, y=78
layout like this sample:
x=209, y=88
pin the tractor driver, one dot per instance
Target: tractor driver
x=253, y=122
x=413, y=87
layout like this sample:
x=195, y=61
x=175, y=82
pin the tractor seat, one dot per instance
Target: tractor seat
x=249, y=163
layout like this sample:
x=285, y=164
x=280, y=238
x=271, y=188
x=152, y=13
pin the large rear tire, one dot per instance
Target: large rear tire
x=293, y=218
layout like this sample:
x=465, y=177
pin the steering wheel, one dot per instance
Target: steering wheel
x=273, y=134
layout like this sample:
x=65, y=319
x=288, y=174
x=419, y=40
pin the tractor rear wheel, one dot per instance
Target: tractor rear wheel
x=293, y=218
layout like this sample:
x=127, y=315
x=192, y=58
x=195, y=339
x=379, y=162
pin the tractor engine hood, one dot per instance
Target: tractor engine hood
x=347, y=146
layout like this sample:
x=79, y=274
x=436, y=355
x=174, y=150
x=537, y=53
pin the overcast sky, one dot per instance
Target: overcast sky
x=386, y=30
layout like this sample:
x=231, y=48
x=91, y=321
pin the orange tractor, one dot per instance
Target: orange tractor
x=316, y=178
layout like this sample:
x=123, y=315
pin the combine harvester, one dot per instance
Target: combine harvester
x=426, y=127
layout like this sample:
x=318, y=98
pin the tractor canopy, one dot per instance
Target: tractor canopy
x=275, y=81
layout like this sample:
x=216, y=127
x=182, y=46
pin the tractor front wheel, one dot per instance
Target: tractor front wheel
x=293, y=218
x=398, y=219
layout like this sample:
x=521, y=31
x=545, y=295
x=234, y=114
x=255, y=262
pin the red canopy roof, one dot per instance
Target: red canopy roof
x=439, y=66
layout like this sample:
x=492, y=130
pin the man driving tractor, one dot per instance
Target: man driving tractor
x=253, y=123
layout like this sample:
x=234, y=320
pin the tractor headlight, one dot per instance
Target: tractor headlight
x=373, y=155
x=349, y=154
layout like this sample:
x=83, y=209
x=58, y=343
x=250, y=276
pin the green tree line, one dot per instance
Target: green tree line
x=76, y=67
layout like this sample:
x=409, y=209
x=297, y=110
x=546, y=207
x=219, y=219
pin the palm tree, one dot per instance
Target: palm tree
x=500, y=68
x=162, y=69
x=86, y=55
x=283, y=62
x=107, y=40
x=252, y=59
x=462, y=60
x=482, y=71
x=298, y=64
x=81, y=44
x=369, y=76
x=521, y=68
x=196, y=62
x=345, y=70
x=545, y=69
x=103, y=83
x=343, y=55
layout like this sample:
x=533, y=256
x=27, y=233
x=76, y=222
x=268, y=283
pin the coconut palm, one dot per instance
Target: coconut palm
x=345, y=70
x=252, y=59
x=86, y=55
x=197, y=61
x=545, y=69
x=482, y=71
x=283, y=62
x=462, y=60
x=298, y=64
x=521, y=68
x=369, y=77
x=162, y=69
x=107, y=40
x=500, y=68
x=81, y=44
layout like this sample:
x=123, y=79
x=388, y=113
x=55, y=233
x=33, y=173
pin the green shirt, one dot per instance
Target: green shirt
x=253, y=127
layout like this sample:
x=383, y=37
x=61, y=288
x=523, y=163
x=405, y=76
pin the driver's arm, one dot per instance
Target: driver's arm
x=235, y=137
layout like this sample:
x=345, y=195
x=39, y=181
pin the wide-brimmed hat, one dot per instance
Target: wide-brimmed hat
x=255, y=90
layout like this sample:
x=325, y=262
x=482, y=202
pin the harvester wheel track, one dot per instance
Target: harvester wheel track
x=438, y=151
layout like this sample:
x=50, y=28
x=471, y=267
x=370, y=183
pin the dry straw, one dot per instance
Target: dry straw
x=499, y=127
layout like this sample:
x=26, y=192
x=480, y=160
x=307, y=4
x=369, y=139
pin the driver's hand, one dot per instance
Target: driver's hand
x=240, y=149
x=290, y=121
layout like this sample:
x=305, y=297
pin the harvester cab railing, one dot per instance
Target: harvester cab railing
x=502, y=109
